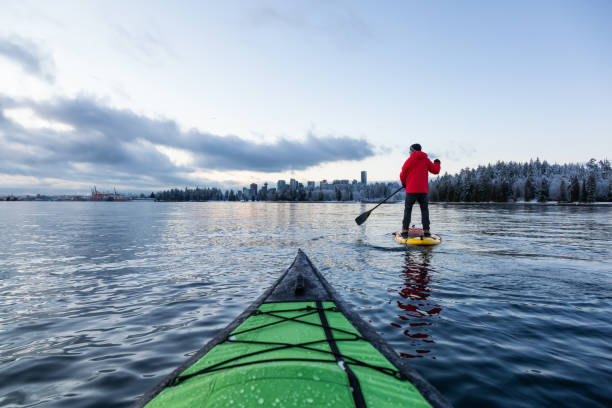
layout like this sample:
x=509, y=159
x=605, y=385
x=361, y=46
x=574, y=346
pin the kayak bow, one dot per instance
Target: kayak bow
x=299, y=344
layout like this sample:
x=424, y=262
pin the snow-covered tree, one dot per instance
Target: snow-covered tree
x=543, y=193
x=574, y=189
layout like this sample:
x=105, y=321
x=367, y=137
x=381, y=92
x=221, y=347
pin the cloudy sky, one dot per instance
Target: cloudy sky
x=144, y=95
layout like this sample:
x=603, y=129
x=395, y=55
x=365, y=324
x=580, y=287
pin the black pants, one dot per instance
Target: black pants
x=411, y=198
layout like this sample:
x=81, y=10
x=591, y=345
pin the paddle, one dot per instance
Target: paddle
x=363, y=217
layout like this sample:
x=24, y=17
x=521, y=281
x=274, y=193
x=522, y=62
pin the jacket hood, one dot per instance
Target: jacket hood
x=419, y=155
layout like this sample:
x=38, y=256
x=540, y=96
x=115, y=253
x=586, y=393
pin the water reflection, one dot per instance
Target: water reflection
x=417, y=309
x=115, y=296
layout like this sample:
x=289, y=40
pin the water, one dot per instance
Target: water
x=99, y=301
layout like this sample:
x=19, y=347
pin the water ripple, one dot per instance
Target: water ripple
x=99, y=301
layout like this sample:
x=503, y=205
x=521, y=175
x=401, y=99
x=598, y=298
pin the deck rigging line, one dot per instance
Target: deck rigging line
x=329, y=339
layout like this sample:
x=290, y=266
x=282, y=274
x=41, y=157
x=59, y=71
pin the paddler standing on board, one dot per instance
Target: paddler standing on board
x=414, y=177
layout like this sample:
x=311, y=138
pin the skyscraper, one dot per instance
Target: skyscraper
x=364, y=177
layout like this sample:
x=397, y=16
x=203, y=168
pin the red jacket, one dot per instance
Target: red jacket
x=414, y=172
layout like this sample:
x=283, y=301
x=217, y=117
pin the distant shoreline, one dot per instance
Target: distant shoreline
x=548, y=204
x=518, y=203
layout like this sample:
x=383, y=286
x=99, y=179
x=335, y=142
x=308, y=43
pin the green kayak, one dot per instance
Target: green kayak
x=298, y=345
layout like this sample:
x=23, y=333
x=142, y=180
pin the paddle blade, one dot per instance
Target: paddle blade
x=363, y=217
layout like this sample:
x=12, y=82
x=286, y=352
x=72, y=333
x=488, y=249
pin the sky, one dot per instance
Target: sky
x=148, y=95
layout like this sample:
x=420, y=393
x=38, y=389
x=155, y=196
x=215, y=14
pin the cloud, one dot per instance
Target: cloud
x=144, y=46
x=453, y=150
x=99, y=143
x=331, y=20
x=234, y=153
x=458, y=151
x=29, y=56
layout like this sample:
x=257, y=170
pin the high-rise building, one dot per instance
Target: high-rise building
x=281, y=185
x=311, y=185
x=253, y=190
x=293, y=184
x=364, y=177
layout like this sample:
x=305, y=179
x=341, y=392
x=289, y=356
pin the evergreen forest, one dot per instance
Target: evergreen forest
x=535, y=181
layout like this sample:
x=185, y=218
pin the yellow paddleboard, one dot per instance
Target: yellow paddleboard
x=416, y=237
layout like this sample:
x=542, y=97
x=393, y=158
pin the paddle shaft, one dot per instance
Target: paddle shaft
x=382, y=202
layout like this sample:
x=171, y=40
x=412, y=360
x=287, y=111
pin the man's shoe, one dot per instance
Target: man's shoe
x=426, y=233
x=405, y=234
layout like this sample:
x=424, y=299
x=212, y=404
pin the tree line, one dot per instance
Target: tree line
x=190, y=194
x=334, y=192
x=533, y=181
x=500, y=182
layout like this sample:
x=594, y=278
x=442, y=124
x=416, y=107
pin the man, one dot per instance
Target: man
x=414, y=177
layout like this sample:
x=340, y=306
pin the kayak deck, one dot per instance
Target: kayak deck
x=297, y=345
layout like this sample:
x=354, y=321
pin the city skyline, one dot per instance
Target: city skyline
x=294, y=184
x=225, y=94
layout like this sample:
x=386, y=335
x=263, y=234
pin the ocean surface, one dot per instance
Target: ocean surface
x=100, y=300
